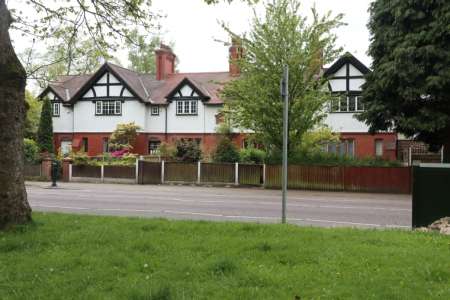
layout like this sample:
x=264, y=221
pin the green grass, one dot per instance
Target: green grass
x=85, y=257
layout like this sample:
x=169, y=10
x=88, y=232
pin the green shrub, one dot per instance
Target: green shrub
x=329, y=159
x=226, y=151
x=45, y=130
x=30, y=151
x=188, y=151
x=252, y=156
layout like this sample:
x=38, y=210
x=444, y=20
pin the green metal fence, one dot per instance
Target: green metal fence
x=431, y=193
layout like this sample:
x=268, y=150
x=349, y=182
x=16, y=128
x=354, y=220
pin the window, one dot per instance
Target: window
x=155, y=110
x=379, y=147
x=105, y=145
x=186, y=107
x=84, y=145
x=347, y=103
x=108, y=108
x=55, y=109
x=342, y=148
x=153, y=146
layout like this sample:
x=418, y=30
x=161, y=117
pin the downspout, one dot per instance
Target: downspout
x=165, y=121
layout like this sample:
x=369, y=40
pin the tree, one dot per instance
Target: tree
x=106, y=22
x=45, y=131
x=188, y=151
x=142, y=54
x=282, y=38
x=124, y=137
x=33, y=116
x=408, y=90
x=226, y=151
x=14, y=207
x=55, y=61
x=31, y=151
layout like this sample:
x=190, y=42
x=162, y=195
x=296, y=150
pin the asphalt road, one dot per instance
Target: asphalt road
x=328, y=209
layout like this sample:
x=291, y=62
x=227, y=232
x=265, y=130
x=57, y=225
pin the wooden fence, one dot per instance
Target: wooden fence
x=325, y=178
x=217, y=173
x=32, y=170
x=149, y=172
x=180, y=172
x=86, y=171
x=251, y=174
x=328, y=178
x=119, y=172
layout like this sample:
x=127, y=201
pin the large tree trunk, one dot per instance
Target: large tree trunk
x=14, y=207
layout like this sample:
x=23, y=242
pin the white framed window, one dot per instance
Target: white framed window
x=118, y=108
x=350, y=103
x=187, y=107
x=153, y=146
x=108, y=108
x=98, y=108
x=345, y=147
x=56, y=109
x=155, y=110
x=378, y=147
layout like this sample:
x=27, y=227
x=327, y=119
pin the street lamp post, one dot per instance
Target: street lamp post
x=285, y=96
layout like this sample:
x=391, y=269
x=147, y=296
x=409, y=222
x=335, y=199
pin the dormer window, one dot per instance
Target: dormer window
x=186, y=107
x=56, y=109
x=108, y=108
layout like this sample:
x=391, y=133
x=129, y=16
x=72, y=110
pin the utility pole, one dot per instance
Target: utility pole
x=285, y=96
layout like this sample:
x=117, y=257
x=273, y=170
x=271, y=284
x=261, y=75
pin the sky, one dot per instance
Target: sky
x=193, y=27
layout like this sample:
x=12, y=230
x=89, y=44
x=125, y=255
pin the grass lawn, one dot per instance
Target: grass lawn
x=87, y=257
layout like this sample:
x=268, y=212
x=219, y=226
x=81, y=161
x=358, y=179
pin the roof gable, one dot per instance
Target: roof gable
x=186, y=88
x=347, y=58
x=99, y=77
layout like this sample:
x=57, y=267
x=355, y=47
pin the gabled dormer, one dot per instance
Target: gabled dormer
x=345, y=80
x=186, y=96
x=107, y=86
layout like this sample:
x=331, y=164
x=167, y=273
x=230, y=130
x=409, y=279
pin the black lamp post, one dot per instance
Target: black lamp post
x=54, y=172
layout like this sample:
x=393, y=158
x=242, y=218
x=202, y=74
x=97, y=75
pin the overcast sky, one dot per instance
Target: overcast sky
x=193, y=27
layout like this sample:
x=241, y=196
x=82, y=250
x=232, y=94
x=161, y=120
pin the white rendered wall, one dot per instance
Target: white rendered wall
x=87, y=121
x=345, y=122
x=203, y=122
x=156, y=124
x=63, y=123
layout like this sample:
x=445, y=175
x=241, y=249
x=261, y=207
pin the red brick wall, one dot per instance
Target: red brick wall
x=95, y=141
x=365, y=144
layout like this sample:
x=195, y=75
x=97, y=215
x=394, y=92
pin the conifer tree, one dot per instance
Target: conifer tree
x=45, y=131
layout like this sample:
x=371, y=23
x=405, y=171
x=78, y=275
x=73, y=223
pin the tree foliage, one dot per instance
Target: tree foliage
x=124, y=137
x=75, y=30
x=33, y=116
x=30, y=151
x=45, y=130
x=409, y=87
x=283, y=37
x=187, y=151
x=141, y=54
x=226, y=151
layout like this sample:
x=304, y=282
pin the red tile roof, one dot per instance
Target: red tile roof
x=145, y=86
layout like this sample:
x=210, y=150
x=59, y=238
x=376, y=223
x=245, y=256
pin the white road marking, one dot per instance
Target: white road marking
x=290, y=204
x=221, y=215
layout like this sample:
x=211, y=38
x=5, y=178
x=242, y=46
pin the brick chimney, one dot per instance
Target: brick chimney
x=236, y=52
x=165, y=62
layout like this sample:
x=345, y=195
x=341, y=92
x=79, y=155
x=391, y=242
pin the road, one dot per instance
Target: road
x=328, y=209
